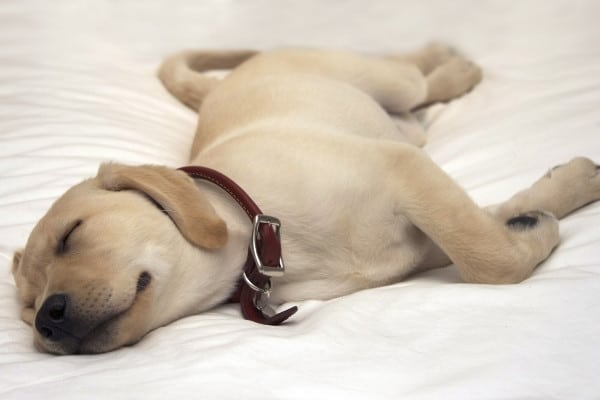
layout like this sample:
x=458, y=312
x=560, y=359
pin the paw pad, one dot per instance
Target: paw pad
x=522, y=222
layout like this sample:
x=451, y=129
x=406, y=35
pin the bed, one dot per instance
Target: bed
x=78, y=87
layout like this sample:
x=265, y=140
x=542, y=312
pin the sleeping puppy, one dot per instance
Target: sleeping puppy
x=325, y=142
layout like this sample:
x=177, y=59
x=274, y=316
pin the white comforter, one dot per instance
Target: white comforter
x=77, y=87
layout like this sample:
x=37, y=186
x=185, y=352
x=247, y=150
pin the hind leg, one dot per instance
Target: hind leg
x=448, y=74
x=411, y=129
x=399, y=84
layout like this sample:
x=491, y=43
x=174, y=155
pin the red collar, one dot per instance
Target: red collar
x=264, y=253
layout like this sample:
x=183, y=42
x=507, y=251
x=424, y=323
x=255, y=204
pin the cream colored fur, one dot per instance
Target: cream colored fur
x=324, y=141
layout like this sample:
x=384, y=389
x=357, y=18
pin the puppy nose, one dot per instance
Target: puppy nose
x=51, y=318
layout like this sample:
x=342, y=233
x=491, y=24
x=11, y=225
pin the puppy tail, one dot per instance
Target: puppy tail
x=181, y=73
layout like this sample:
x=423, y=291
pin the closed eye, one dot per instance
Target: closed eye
x=63, y=243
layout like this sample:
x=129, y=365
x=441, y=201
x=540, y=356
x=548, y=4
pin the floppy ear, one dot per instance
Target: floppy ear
x=176, y=193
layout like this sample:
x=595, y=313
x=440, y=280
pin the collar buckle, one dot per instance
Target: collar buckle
x=261, y=222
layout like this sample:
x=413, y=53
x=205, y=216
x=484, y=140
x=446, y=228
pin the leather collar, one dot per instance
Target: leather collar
x=264, y=252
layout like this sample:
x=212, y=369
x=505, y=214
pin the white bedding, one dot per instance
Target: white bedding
x=77, y=87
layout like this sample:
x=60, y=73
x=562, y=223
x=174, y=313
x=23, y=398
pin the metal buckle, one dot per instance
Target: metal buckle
x=269, y=270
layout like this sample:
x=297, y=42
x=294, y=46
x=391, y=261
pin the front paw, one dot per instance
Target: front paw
x=581, y=177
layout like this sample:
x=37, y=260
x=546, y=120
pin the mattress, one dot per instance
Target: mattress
x=78, y=87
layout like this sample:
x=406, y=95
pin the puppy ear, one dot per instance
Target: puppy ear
x=176, y=193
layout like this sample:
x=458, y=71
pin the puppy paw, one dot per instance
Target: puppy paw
x=436, y=54
x=452, y=79
x=427, y=58
x=581, y=176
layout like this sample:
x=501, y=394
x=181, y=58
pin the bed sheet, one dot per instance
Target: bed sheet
x=77, y=87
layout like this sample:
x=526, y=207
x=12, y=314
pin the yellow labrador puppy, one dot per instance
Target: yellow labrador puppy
x=325, y=142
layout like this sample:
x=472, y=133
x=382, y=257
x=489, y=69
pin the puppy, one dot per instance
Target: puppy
x=325, y=142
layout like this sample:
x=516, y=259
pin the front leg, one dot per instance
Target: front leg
x=485, y=247
x=534, y=210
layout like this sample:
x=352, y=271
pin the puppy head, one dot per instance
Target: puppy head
x=100, y=267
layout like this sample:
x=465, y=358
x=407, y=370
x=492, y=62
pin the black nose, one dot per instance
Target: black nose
x=52, y=319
